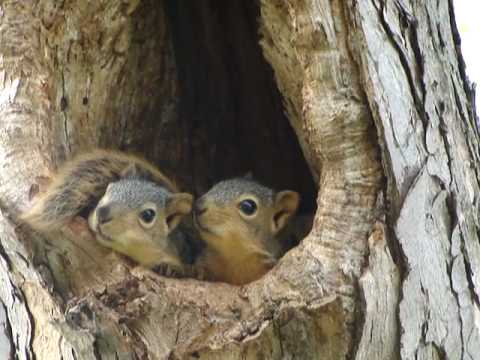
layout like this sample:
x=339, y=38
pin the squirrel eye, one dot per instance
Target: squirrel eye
x=248, y=207
x=147, y=215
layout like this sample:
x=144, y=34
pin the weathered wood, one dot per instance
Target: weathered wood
x=380, y=291
x=420, y=98
x=364, y=84
x=316, y=73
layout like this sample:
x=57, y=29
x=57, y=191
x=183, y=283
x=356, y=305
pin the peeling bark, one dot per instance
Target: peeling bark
x=376, y=95
x=379, y=287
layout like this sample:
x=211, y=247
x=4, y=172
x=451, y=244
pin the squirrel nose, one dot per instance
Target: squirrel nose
x=103, y=215
x=199, y=208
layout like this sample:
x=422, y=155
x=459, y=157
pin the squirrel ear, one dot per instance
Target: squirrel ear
x=178, y=205
x=286, y=205
x=134, y=171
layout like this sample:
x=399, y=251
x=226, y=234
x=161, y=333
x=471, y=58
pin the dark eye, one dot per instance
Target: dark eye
x=248, y=207
x=147, y=215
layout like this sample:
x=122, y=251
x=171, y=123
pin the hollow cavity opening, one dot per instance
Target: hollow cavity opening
x=191, y=92
x=229, y=106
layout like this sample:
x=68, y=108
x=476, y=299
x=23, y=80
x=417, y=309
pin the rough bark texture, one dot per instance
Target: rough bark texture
x=420, y=99
x=386, y=273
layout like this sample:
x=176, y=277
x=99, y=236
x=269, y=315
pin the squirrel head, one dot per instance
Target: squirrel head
x=242, y=215
x=135, y=217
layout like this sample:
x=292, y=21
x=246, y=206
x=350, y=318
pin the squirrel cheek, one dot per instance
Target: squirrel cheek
x=150, y=235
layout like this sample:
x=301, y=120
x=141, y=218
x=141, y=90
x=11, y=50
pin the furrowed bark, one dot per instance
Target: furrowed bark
x=415, y=82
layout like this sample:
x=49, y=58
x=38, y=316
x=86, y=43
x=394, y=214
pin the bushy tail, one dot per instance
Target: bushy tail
x=81, y=183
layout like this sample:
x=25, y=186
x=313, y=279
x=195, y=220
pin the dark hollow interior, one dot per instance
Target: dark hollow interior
x=230, y=109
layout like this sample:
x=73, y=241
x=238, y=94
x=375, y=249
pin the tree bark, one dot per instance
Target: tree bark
x=381, y=111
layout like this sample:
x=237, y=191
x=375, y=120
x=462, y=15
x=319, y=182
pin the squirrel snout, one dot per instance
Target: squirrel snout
x=199, y=208
x=103, y=214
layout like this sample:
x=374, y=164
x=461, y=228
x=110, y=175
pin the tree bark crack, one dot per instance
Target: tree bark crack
x=6, y=339
x=403, y=58
x=63, y=108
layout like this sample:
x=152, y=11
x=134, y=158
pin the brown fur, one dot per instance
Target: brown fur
x=240, y=249
x=149, y=245
x=81, y=182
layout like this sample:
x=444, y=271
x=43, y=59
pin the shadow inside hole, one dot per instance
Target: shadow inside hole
x=229, y=101
x=230, y=107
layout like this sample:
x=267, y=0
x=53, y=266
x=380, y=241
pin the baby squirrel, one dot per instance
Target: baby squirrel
x=240, y=222
x=132, y=207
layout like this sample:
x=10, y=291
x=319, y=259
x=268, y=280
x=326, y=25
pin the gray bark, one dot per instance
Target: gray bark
x=420, y=100
x=377, y=96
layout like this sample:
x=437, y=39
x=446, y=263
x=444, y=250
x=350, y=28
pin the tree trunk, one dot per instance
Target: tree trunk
x=378, y=136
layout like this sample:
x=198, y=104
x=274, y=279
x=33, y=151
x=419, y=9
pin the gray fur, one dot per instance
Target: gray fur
x=133, y=193
x=228, y=190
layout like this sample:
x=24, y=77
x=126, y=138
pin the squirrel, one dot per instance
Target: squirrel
x=132, y=207
x=240, y=222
